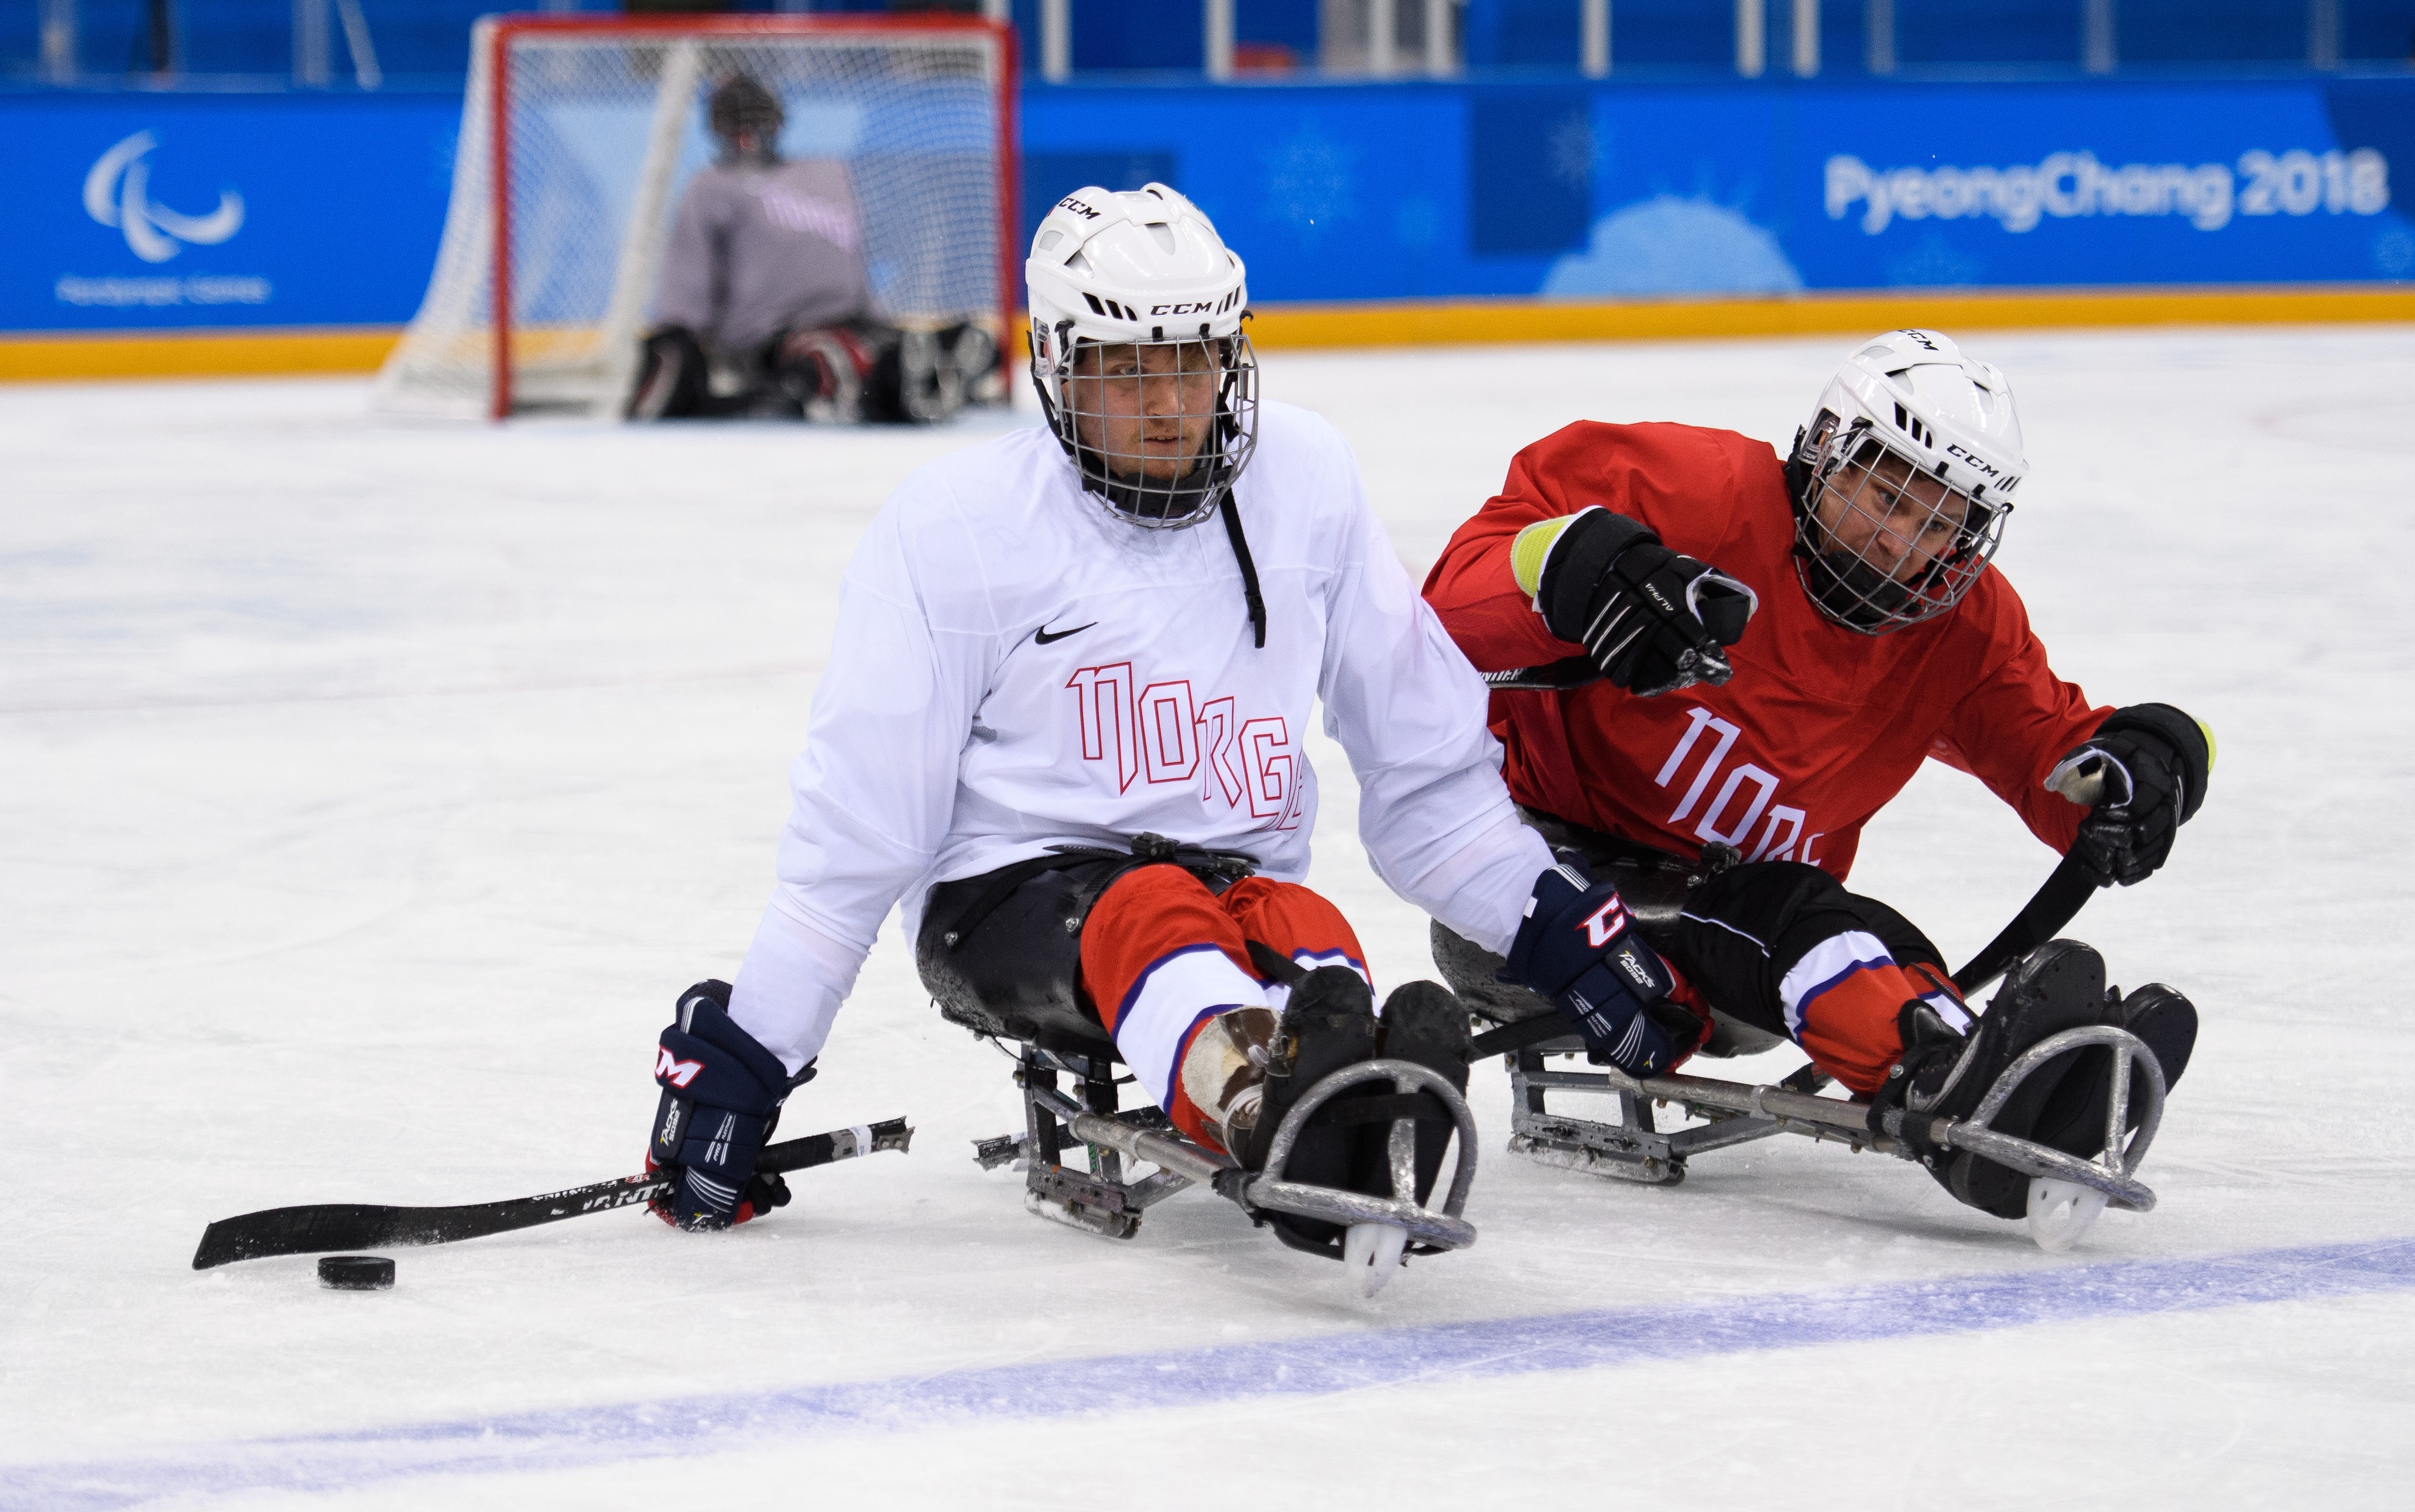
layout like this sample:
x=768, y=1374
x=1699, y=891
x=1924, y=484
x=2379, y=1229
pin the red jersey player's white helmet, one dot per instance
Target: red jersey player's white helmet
x=1903, y=480
x=1139, y=277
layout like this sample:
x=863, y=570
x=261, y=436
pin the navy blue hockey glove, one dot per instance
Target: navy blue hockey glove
x=1651, y=620
x=1579, y=948
x=721, y=1099
x=2154, y=761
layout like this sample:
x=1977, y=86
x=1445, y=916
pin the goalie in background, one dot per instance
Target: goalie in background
x=765, y=309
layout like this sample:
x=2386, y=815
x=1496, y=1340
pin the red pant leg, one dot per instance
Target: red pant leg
x=1161, y=956
x=1845, y=999
x=1295, y=923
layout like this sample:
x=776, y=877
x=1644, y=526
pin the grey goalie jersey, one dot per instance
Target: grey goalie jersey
x=758, y=250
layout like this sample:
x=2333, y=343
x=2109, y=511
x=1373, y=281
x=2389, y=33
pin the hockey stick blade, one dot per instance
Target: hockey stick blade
x=325, y=1226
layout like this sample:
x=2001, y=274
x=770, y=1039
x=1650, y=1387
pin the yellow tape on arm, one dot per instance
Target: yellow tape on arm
x=1528, y=553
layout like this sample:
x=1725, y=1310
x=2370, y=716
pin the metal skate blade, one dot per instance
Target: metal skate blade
x=2062, y=1212
x=1081, y=1216
x=1371, y=1252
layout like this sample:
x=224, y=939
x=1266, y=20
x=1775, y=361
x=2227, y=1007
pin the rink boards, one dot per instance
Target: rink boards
x=291, y=232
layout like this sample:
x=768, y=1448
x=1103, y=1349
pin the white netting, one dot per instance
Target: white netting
x=606, y=129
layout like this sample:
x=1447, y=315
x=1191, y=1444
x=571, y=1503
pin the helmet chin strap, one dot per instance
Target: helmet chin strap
x=1177, y=498
x=1250, y=593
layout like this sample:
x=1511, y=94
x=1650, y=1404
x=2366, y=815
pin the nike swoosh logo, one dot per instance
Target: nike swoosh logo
x=1044, y=635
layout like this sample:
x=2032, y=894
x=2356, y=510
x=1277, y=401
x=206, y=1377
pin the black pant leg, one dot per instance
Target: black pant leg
x=1741, y=932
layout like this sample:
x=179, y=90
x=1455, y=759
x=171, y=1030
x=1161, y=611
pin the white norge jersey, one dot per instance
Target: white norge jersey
x=1015, y=669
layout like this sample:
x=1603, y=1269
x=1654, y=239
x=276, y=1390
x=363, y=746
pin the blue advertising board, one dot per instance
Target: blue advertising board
x=148, y=210
x=144, y=210
x=1623, y=191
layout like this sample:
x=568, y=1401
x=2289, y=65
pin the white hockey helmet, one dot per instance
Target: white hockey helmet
x=1144, y=269
x=1903, y=480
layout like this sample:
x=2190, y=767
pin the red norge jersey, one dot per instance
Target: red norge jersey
x=1818, y=728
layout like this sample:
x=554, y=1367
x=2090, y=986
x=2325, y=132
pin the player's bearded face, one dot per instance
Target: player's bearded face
x=1884, y=530
x=1897, y=523
x=1149, y=409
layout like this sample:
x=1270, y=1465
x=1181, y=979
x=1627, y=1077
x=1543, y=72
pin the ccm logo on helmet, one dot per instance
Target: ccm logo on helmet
x=1068, y=203
x=1203, y=308
x=669, y=1069
x=1976, y=462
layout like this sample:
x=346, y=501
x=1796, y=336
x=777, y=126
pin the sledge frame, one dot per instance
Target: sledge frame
x=1099, y=1197
x=1633, y=1149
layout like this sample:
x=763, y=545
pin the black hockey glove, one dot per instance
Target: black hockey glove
x=1579, y=948
x=2153, y=761
x=721, y=1099
x=1650, y=619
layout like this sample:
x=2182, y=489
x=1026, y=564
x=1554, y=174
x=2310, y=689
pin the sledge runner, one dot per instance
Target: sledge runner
x=1063, y=723
x=1716, y=666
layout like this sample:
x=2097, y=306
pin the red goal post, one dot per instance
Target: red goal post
x=578, y=132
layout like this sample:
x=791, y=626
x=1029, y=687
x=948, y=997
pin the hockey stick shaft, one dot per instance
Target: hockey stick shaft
x=1551, y=677
x=2055, y=903
x=325, y=1226
x=2065, y=891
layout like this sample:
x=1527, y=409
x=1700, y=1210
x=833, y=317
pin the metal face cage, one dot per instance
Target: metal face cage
x=1158, y=430
x=1881, y=543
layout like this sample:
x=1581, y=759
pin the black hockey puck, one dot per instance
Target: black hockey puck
x=356, y=1273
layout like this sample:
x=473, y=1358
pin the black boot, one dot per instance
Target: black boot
x=1328, y=1023
x=2058, y=986
x=2073, y=1118
x=1426, y=1026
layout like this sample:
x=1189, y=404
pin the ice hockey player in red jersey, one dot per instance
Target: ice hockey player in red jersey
x=1063, y=725
x=1734, y=660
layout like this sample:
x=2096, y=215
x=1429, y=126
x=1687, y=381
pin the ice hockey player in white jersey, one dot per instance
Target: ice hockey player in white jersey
x=1063, y=722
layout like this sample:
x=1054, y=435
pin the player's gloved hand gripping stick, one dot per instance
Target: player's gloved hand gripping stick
x=721, y=1099
x=2139, y=776
x=1651, y=620
x=2150, y=763
x=1579, y=948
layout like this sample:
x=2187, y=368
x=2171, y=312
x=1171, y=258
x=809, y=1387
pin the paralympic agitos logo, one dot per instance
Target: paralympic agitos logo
x=117, y=193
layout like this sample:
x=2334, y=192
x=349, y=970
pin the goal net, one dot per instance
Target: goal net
x=579, y=133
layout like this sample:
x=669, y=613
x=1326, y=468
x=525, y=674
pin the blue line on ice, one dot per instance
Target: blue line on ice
x=1441, y=1353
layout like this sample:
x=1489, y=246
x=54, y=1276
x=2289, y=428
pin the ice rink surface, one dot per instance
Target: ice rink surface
x=372, y=789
